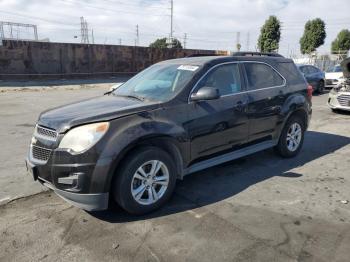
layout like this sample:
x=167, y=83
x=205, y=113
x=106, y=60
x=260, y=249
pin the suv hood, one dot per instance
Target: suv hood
x=102, y=108
x=345, y=65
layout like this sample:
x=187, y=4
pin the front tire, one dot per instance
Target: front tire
x=291, y=138
x=145, y=181
x=320, y=87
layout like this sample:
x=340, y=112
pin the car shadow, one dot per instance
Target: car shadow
x=227, y=180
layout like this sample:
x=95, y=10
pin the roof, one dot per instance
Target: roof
x=202, y=60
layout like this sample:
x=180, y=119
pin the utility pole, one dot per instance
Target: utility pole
x=238, y=44
x=92, y=36
x=170, y=41
x=248, y=41
x=120, y=41
x=137, y=41
x=185, y=40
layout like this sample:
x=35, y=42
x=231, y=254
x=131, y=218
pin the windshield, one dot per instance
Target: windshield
x=336, y=69
x=159, y=82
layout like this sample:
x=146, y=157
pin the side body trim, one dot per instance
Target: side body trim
x=230, y=156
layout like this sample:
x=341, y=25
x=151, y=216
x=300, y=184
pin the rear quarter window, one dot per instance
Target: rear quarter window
x=262, y=76
x=290, y=73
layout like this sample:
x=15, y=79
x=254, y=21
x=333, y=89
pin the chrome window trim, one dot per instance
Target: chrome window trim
x=241, y=92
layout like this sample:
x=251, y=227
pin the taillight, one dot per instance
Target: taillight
x=309, y=91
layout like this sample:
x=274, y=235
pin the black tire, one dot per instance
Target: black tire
x=334, y=110
x=122, y=184
x=320, y=87
x=282, y=147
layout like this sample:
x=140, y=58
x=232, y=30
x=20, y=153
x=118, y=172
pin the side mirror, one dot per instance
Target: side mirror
x=206, y=93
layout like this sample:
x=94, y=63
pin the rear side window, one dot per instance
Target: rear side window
x=291, y=73
x=262, y=76
x=226, y=78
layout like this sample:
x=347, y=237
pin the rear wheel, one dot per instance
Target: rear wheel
x=291, y=138
x=145, y=181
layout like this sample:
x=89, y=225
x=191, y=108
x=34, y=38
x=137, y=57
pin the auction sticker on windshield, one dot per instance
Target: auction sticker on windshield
x=188, y=67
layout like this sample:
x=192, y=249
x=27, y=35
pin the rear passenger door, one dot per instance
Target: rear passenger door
x=266, y=96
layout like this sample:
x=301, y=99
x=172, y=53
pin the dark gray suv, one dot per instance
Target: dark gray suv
x=172, y=119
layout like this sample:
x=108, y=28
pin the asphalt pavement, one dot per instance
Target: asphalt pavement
x=259, y=208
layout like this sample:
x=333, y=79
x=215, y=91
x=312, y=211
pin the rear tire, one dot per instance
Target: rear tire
x=145, y=181
x=291, y=138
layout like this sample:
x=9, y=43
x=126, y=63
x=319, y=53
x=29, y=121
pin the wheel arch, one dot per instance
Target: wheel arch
x=164, y=142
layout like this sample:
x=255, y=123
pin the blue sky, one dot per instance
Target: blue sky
x=208, y=24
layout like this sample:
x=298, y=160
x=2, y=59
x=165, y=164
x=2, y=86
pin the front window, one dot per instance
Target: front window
x=159, y=82
x=226, y=78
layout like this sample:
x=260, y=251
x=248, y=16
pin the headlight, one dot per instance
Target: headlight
x=82, y=138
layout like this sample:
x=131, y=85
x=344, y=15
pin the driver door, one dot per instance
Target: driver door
x=221, y=124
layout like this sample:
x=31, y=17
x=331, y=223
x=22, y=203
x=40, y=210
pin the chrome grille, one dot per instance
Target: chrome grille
x=45, y=133
x=344, y=100
x=40, y=154
x=329, y=81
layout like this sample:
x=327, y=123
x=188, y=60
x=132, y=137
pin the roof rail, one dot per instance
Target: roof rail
x=200, y=54
x=256, y=54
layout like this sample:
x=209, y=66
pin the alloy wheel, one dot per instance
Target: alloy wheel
x=294, y=137
x=150, y=182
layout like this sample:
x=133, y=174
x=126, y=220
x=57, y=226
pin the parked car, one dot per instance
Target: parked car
x=334, y=76
x=314, y=76
x=172, y=119
x=339, y=96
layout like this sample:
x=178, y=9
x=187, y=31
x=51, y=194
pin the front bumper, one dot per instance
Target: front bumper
x=340, y=100
x=89, y=202
x=71, y=183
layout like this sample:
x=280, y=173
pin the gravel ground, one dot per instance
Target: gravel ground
x=259, y=208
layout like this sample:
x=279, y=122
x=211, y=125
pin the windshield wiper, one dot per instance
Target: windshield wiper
x=133, y=97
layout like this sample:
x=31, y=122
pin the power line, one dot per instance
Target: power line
x=109, y=9
x=37, y=18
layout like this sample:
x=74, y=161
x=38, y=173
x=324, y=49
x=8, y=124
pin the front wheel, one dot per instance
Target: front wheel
x=320, y=87
x=292, y=138
x=145, y=181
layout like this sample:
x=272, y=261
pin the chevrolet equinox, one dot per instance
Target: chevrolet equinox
x=174, y=118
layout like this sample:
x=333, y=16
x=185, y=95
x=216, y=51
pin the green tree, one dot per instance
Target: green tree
x=341, y=44
x=313, y=37
x=270, y=35
x=162, y=43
